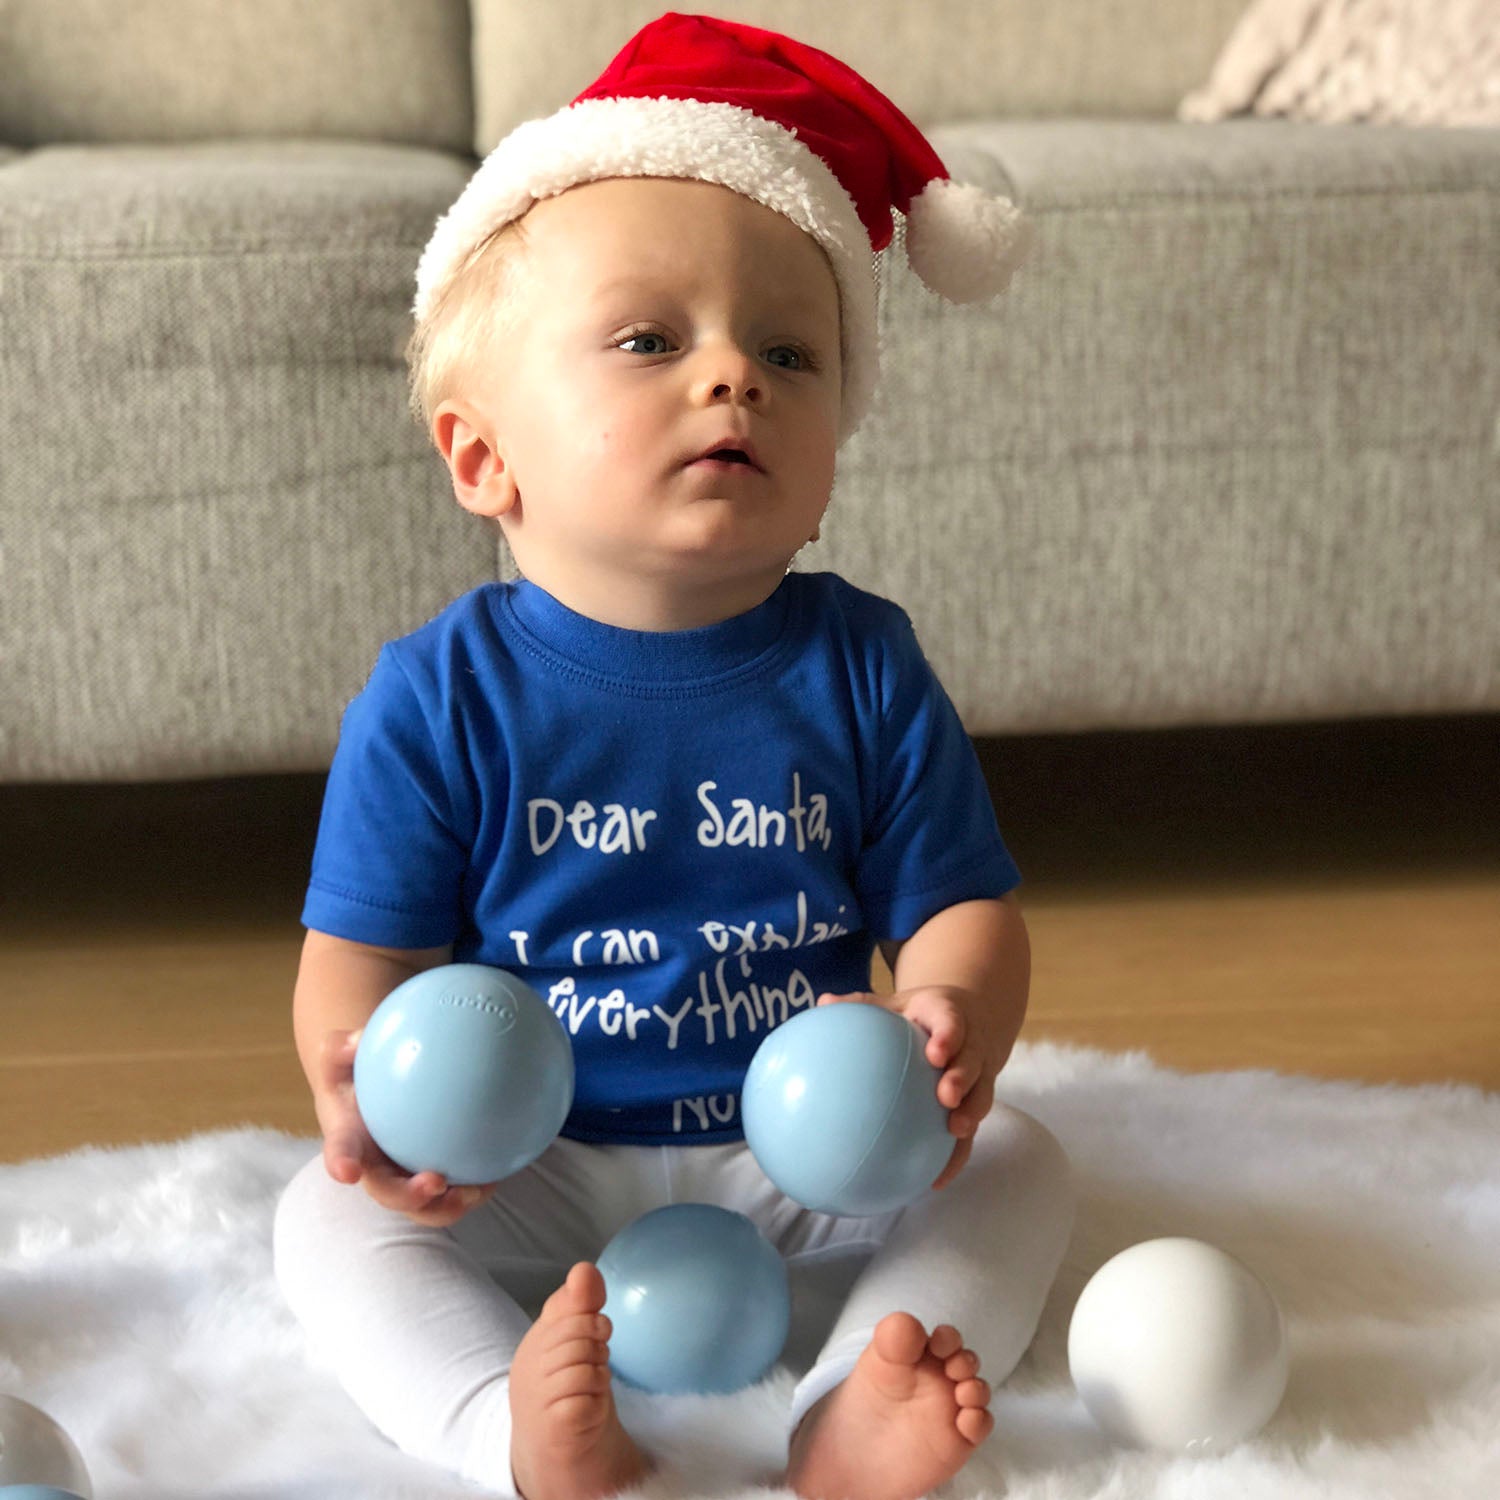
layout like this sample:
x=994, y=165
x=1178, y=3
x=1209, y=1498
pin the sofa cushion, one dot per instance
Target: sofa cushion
x=215, y=502
x=1226, y=452
x=941, y=60
x=168, y=70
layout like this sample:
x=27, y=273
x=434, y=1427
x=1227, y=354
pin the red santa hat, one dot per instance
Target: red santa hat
x=782, y=123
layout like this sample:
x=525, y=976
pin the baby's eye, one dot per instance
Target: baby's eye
x=789, y=357
x=645, y=342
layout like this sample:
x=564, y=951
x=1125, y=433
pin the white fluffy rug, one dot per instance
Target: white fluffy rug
x=137, y=1306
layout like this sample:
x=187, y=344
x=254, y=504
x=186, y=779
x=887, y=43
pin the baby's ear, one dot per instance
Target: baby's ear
x=482, y=479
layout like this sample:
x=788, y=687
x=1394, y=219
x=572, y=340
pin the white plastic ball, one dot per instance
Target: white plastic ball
x=35, y=1450
x=1177, y=1345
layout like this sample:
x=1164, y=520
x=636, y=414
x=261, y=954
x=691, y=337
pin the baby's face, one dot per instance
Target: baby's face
x=658, y=321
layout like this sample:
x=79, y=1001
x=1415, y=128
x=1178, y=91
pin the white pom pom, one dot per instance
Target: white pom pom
x=963, y=242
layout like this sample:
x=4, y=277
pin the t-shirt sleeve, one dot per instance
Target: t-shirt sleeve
x=931, y=840
x=389, y=864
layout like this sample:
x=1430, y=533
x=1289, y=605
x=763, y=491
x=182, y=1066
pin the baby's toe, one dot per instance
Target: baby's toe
x=945, y=1341
x=578, y=1380
x=974, y=1424
x=899, y=1339
x=972, y=1393
x=577, y=1351
x=582, y=1292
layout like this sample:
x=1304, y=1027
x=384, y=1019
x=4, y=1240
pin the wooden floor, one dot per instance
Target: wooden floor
x=1318, y=899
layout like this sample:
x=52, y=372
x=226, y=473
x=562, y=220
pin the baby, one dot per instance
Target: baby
x=681, y=790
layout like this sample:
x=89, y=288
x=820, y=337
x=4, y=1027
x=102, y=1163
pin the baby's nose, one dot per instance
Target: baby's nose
x=748, y=390
x=730, y=376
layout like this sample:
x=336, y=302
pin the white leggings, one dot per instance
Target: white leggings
x=420, y=1325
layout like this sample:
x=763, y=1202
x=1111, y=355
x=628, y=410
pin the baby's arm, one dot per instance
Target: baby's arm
x=963, y=977
x=339, y=984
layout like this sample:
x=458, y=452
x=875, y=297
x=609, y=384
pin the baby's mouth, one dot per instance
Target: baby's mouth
x=729, y=455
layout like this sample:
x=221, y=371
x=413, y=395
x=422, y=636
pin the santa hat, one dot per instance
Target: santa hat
x=782, y=123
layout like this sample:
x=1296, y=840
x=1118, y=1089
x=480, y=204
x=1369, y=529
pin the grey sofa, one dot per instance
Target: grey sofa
x=1228, y=452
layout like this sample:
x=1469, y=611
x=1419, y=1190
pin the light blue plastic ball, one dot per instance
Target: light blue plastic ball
x=35, y=1492
x=464, y=1070
x=841, y=1111
x=698, y=1298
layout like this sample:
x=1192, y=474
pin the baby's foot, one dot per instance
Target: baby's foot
x=566, y=1439
x=909, y=1416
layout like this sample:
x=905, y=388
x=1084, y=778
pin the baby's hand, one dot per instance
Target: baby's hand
x=351, y=1155
x=957, y=1043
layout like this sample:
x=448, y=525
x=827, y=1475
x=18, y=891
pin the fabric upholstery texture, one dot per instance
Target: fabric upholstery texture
x=1263, y=486
x=214, y=498
x=170, y=70
x=943, y=60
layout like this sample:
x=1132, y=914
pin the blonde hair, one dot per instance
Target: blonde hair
x=458, y=333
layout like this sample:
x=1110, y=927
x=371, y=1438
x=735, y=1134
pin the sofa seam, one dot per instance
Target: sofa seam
x=291, y=249
x=1302, y=197
x=199, y=493
x=1101, y=450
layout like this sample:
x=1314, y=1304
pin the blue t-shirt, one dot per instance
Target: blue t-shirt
x=679, y=839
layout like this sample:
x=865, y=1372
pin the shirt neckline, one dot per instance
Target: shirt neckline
x=644, y=659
